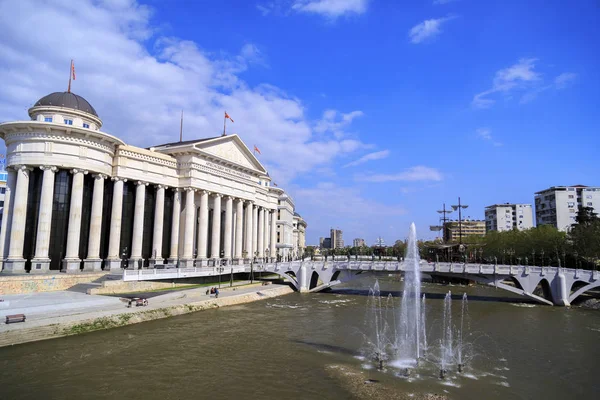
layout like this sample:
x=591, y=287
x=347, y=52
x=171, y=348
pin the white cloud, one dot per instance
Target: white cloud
x=412, y=174
x=353, y=211
x=140, y=93
x=564, y=80
x=486, y=134
x=520, y=77
x=335, y=122
x=377, y=155
x=427, y=29
x=331, y=8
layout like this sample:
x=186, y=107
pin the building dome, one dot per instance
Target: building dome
x=67, y=100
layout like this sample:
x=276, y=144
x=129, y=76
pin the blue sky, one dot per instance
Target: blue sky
x=371, y=113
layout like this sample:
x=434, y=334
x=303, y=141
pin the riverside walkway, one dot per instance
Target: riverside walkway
x=547, y=285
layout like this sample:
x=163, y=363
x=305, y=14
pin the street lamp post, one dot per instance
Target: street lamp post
x=459, y=207
x=542, y=253
x=533, y=257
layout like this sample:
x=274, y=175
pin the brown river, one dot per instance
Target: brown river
x=308, y=347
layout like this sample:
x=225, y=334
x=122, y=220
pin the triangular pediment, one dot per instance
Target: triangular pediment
x=231, y=149
x=228, y=149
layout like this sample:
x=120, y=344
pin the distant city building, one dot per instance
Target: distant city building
x=337, y=239
x=452, y=229
x=379, y=242
x=506, y=217
x=321, y=240
x=299, y=236
x=558, y=205
x=326, y=243
x=358, y=242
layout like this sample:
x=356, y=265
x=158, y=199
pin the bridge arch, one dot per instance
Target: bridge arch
x=581, y=289
x=543, y=289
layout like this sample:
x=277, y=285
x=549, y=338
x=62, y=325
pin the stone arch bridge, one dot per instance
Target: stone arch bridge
x=548, y=285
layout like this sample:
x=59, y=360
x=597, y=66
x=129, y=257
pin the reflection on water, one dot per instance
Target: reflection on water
x=288, y=347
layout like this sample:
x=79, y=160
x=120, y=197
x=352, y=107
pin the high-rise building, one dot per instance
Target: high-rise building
x=321, y=241
x=558, y=205
x=326, y=243
x=506, y=217
x=337, y=239
x=453, y=230
x=358, y=242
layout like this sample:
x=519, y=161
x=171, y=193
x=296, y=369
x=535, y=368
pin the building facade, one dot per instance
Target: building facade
x=285, y=226
x=358, y=242
x=337, y=239
x=506, y=217
x=558, y=205
x=80, y=199
x=299, y=236
x=453, y=230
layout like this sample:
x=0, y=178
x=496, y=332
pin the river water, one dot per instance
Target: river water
x=307, y=347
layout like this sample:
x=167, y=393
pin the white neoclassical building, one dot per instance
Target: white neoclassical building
x=80, y=199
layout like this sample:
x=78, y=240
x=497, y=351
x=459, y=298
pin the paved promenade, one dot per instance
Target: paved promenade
x=55, y=314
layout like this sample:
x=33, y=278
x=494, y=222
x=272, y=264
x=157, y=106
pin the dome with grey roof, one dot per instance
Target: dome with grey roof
x=67, y=100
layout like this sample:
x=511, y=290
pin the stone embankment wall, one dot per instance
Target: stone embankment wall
x=132, y=316
x=119, y=286
x=21, y=284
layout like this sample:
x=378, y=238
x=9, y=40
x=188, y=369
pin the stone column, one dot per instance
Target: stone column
x=249, y=210
x=15, y=263
x=72, y=262
x=93, y=262
x=254, y=231
x=188, y=235
x=114, y=241
x=266, y=233
x=159, y=217
x=203, y=228
x=40, y=262
x=239, y=233
x=215, y=247
x=228, y=227
x=7, y=215
x=261, y=232
x=174, y=253
x=138, y=226
x=273, y=234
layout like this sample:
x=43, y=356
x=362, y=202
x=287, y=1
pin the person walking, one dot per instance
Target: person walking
x=216, y=293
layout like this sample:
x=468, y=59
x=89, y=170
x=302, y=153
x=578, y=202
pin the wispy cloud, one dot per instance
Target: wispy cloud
x=442, y=2
x=523, y=77
x=427, y=29
x=330, y=9
x=486, y=134
x=377, y=155
x=564, y=80
x=412, y=174
x=335, y=122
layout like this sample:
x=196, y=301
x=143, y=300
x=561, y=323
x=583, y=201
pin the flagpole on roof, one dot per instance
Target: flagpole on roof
x=70, y=75
x=181, y=128
x=224, y=123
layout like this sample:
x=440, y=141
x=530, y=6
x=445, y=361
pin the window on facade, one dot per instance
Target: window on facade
x=86, y=125
x=68, y=121
x=589, y=203
x=570, y=204
x=571, y=196
x=47, y=119
x=1, y=203
x=2, y=190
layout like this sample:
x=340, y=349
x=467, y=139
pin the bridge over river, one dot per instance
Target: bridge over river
x=548, y=285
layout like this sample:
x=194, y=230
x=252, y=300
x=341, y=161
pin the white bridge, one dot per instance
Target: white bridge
x=548, y=285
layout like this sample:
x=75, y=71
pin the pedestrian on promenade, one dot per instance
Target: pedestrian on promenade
x=216, y=293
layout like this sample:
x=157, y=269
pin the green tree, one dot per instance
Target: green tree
x=585, y=235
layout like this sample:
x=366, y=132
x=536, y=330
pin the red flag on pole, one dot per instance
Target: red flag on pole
x=73, y=69
x=256, y=150
x=228, y=117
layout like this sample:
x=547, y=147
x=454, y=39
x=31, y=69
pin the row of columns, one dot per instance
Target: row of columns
x=256, y=224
